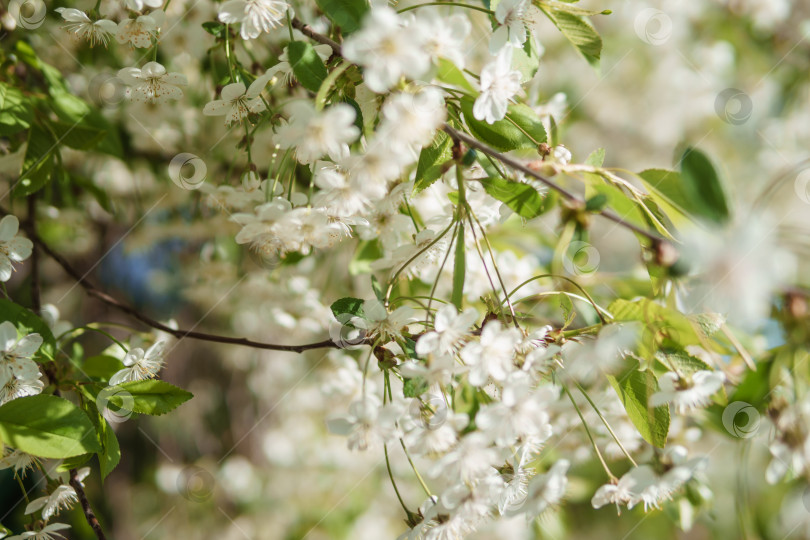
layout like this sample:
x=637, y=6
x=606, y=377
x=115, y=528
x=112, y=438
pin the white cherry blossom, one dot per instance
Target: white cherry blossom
x=499, y=84
x=140, y=365
x=255, y=16
x=79, y=24
x=13, y=248
x=237, y=102
x=152, y=83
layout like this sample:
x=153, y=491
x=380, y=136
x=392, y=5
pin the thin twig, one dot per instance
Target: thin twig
x=97, y=293
x=31, y=228
x=320, y=38
x=89, y=515
x=517, y=165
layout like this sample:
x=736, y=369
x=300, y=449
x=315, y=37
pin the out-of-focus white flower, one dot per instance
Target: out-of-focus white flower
x=236, y=102
x=411, y=118
x=499, y=84
x=138, y=5
x=471, y=459
x=546, y=490
x=450, y=328
x=48, y=532
x=79, y=24
x=141, y=30
x=152, y=83
x=50, y=314
x=521, y=414
x=688, y=393
x=256, y=16
x=367, y=424
x=140, y=365
x=12, y=247
x=737, y=270
x=443, y=37
x=493, y=355
x=314, y=134
x=387, y=49
x=19, y=461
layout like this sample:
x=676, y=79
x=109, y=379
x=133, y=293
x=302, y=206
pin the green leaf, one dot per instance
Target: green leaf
x=521, y=128
x=681, y=362
x=367, y=252
x=38, y=162
x=459, y=269
x=110, y=455
x=634, y=390
x=93, y=190
x=306, y=64
x=703, y=187
x=664, y=327
x=526, y=60
x=215, y=28
x=347, y=14
x=47, y=426
x=16, y=113
x=431, y=161
x=28, y=323
x=596, y=158
x=76, y=113
x=101, y=366
x=74, y=462
x=522, y=199
x=414, y=387
x=150, y=396
x=77, y=136
x=448, y=73
x=579, y=31
x=596, y=203
x=352, y=306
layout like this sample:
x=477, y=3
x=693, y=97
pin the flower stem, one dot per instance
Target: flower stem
x=590, y=437
x=453, y=4
x=604, y=421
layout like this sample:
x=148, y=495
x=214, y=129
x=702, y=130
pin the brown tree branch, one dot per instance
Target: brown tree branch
x=320, y=38
x=517, y=165
x=97, y=293
x=89, y=515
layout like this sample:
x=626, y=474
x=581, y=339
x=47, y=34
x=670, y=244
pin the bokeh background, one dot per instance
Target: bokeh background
x=249, y=456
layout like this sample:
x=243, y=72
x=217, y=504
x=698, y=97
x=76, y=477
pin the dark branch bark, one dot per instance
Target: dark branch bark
x=517, y=165
x=320, y=38
x=30, y=226
x=89, y=515
x=97, y=293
